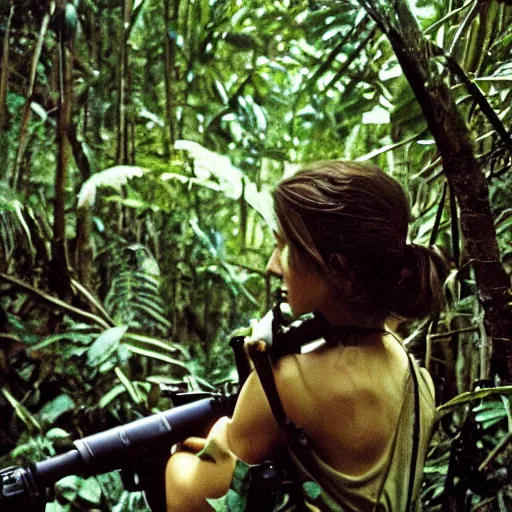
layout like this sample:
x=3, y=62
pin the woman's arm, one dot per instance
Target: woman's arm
x=251, y=435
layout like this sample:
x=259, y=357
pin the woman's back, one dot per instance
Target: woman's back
x=356, y=404
x=347, y=398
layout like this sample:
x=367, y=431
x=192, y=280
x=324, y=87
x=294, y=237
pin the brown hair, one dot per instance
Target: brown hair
x=350, y=220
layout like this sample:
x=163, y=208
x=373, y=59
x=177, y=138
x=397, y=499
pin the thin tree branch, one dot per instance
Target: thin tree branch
x=26, y=110
x=475, y=93
x=353, y=56
x=71, y=310
x=449, y=334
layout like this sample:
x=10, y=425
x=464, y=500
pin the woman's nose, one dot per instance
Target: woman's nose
x=274, y=264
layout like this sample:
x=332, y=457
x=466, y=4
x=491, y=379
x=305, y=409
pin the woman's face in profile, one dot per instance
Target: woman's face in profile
x=307, y=288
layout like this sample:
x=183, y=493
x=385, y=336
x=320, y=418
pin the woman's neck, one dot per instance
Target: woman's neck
x=338, y=314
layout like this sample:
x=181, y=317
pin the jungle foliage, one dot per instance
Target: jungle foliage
x=139, y=140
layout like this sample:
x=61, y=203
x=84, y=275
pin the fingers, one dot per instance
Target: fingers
x=193, y=444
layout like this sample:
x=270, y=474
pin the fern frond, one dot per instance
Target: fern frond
x=134, y=295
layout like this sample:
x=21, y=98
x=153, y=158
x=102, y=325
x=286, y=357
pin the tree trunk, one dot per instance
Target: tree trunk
x=4, y=80
x=60, y=271
x=462, y=169
x=26, y=110
x=122, y=132
x=84, y=252
x=170, y=63
x=83, y=256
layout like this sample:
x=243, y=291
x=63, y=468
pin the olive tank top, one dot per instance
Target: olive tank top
x=384, y=487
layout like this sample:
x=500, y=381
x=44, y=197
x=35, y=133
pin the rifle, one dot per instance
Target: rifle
x=141, y=449
x=138, y=446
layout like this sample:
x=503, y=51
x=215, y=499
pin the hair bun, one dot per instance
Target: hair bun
x=419, y=289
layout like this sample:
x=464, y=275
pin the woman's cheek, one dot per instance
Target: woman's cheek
x=285, y=260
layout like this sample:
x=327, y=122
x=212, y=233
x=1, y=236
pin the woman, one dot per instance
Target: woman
x=365, y=407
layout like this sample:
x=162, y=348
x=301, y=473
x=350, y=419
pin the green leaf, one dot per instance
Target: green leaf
x=119, y=357
x=441, y=469
x=22, y=412
x=142, y=341
x=505, y=79
x=490, y=415
x=90, y=491
x=57, y=433
x=111, y=395
x=489, y=405
x=125, y=381
x=71, y=336
x=231, y=178
x=469, y=396
x=68, y=487
x=312, y=490
x=490, y=423
x=152, y=302
x=151, y=311
x=105, y=345
x=156, y=355
x=114, y=177
x=51, y=411
x=203, y=237
x=55, y=506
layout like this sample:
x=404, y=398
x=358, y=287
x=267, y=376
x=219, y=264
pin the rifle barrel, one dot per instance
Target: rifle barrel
x=124, y=445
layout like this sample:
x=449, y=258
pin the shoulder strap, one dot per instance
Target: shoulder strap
x=415, y=433
x=296, y=436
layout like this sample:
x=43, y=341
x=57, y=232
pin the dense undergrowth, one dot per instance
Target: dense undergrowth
x=135, y=219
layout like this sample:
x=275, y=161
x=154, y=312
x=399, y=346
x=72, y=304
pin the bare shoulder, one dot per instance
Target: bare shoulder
x=287, y=369
x=253, y=432
x=291, y=385
x=335, y=394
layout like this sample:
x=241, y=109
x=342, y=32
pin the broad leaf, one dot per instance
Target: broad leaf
x=90, y=491
x=208, y=164
x=51, y=411
x=105, y=345
x=114, y=177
